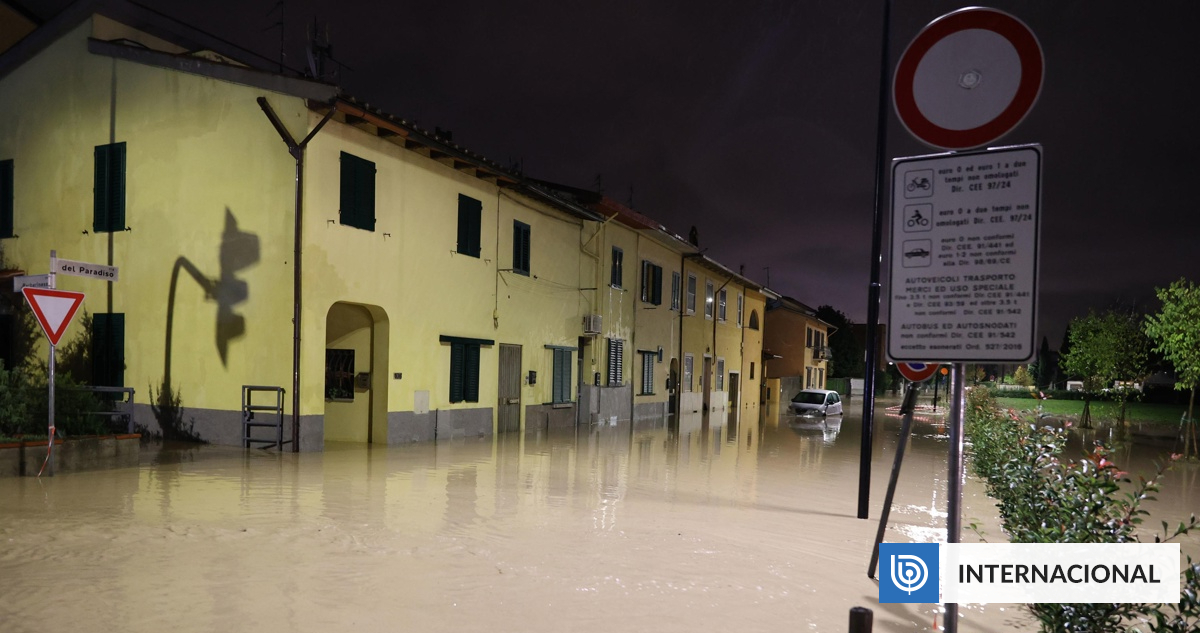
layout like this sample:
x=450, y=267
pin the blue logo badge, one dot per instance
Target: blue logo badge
x=908, y=573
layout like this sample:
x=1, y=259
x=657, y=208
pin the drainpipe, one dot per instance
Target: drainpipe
x=297, y=152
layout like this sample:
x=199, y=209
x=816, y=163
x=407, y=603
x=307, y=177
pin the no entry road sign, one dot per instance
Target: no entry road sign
x=54, y=309
x=968, y=78
x=917, y=372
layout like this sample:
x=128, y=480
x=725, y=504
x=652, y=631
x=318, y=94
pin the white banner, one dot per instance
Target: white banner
x=1060, y=572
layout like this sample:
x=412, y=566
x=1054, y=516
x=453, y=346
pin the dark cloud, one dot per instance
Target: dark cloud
x=755, y=121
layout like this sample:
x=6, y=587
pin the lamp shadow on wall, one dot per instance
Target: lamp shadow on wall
x=238, y=250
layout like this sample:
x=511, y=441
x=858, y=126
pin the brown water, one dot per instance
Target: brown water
x=714, y=526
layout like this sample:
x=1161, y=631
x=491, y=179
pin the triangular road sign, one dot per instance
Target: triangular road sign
x=54, y=309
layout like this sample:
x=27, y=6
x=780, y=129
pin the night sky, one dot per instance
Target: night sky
x=755, y=121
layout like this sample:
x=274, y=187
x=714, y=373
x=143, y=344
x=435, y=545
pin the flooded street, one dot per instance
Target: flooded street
x=716, y=525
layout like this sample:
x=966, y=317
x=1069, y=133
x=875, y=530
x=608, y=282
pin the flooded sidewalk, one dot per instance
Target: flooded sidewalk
x=702, y=525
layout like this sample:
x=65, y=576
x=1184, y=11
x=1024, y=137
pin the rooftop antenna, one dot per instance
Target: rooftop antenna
x=600, y=183
x=768, y=269
x=279, y=23
x=630, y=203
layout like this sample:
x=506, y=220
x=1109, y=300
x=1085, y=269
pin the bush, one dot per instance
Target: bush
x=25, y=406
x=1043, y=498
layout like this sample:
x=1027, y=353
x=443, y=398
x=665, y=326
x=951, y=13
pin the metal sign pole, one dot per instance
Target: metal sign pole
x=953, y=509
x=50, y=379
x=906, y=410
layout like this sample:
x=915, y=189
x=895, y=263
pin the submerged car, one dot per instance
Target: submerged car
x=817, y=402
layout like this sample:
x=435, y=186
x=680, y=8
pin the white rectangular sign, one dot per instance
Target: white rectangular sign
x=1060, y=572
x=33, y=281
x=964, y=256
x=83, y=269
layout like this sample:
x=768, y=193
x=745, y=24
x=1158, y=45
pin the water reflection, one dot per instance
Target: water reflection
x=736, y=521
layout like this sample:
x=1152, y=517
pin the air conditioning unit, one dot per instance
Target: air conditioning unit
x=591, y=324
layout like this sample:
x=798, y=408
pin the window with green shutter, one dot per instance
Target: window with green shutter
x=464, y=367
x=651, y=283
x=562, y=376
x=648, y=359
x=521, y=247
x=6, y=198
x=109, y=189
x=470, y=212
x=617, y=272
x=357, y=192
x=108, y=349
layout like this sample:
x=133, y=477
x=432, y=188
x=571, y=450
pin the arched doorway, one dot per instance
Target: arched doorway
x=356, y=371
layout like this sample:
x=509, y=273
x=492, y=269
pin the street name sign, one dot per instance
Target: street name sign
x=33, y=281
x=83, y=269
x=964, y=256
x=54, y=309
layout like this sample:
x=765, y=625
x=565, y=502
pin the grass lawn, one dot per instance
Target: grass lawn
x=1103, y=410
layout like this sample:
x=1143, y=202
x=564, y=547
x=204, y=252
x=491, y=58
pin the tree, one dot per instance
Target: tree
x=1022, y=377
x=1175, y=331
x=1043, y=367
x=1104, y=348
x=847, y=351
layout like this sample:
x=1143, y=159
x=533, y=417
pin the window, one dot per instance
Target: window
x=108, y=191
x=721, y=300
x=617, y=272
x=616, y=361
x=691, y=294
x=651, y=283
x=648, y=359
x=520, y=248
x=751, y=370
x=470, y=212
x=808, y=375
x=6, y=198
x=720, y=374
x=562, y=376
x=708, y=299
x=754, y=319
x=808, y=337
x=339, y=374
x=358, y=193
x=741, y=300
x=821, y=378
x=675, y=283
x=108, y=349
x=464, y=371
x=689, y=362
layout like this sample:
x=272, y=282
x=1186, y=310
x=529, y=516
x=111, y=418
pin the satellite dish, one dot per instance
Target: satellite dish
x=968, y=78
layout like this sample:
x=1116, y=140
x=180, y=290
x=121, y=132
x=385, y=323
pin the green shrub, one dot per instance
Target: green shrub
x=25, y=406
x=1044, y=498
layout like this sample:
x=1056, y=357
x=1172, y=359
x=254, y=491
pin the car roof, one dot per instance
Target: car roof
x=821, y=391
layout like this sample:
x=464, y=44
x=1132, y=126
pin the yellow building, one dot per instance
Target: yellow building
x=439, y=293
x=716, y=353
x=389, y=285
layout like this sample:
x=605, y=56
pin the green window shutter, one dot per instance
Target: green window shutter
x=457, y=374
x=617, y=279
x=471, y=378
x=100, y=222
x=470, y=212
x=357, y=192
x=521, y=247
x=656, y=285
x=108, y=193
x=6, y=198
x=108, y=350
x=562, y=375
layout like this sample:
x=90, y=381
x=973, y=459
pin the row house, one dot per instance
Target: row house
x=272, y=230
x=796, y=345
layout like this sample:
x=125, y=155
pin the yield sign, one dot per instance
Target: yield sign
x=54, y=309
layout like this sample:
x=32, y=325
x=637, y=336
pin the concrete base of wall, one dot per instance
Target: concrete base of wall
x=691, y=402
x=225, y=427
x=606, y=405
x=649, y=410
x=546, y=417
x=454, y=423
x=406, y=427
x=790, y=386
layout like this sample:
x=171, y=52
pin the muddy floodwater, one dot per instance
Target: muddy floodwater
x=704, y=525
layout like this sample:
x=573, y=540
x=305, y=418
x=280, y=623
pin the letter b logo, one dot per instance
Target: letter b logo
x=908, y=573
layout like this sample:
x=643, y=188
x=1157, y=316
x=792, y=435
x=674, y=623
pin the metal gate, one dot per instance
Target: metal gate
x=509, y=406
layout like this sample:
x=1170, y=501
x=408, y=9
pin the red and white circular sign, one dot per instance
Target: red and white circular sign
x=968, y=78
x=917, y=372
